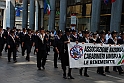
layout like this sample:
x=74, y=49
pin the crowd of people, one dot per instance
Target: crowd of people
x=11, y=39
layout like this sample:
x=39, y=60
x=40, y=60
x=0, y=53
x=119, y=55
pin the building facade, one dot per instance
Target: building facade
x=90, y=14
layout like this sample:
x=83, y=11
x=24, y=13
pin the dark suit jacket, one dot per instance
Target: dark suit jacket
x=120, y=41
x=28, y=41
x=41, y=46
x=110, y=41
x=59, y=44
x=21, y=36
x=84, y=40
x=2, y=40
x=73, y=39
x=98, y=40
x=11, y=42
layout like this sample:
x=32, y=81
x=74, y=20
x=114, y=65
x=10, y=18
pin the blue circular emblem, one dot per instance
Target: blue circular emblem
x=76, y=52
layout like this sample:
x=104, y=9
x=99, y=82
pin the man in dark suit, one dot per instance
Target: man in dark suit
x=12, y=44
x=41, y=48
x=58, y=44
x=85, y=39
x=2, y=41
x=114, y=41
x=6, y=33
x=65, y=57
x=101, y=40
x=121, y=41
x=28, y=43
x=21, y=36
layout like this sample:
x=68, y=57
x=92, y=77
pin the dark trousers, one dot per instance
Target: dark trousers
x=55, y=58
x=64, y=68
x=28, y=48
x=12, y=50
x=1, y=49
x=41, y=55
x=23, y=50
x=115, y=68
x=6, y=47
x=100, y=70
x=85, y=70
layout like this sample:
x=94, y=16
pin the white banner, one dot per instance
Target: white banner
x=90, y=55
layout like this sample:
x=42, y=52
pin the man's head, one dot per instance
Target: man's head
x=68, y=31
x=114, y=34
x=102, y=34
x=42, y=31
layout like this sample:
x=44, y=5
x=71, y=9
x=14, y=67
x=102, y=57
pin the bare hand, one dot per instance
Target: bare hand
x=8, y=46
x=83, y=42
x=36, y=50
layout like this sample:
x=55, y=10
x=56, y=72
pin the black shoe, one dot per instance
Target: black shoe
x=55, y=67
x=107, y=71
x=64, y=76
x=120, y=73
x=70, y=77
x=98, y=72
x=103, y=74
x=39, y=68
x=43, y=67
x=26, y=59
x=9, y=61
x=15, y=61
x=115, y=70
x=86, y=75
x=80, y=72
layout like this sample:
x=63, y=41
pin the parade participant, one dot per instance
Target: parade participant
x=74, y=36
x=101, y=40
x=2, y=41
x=65, y=56
x=85, y=39
x=35, y=35
x=12, y=44
x=48, y=42
x=113, y=41
x=121, y=41
x=57, y=47
x=94, y=38
x=6, y=32
x=108, y=35
x=21, y=36
x=28, y=43
x=41, y=48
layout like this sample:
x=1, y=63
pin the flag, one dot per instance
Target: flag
x=47, y=7
x=106, y=1
x=113, y=1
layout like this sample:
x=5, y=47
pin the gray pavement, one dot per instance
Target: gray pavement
x=26, y=72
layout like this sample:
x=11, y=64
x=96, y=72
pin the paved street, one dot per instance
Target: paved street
x=26, y=72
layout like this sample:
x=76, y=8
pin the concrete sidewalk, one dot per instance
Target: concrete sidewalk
x=26, y=72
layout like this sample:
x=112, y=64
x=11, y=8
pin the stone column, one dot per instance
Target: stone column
x=32, y=15
x=10, y=13
x=4, y=19
x=95, y=17
x=25, y=14
x=63, y=13
x=116, y=15
x=41, y=13
x=52, y=15
x=36, y=15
